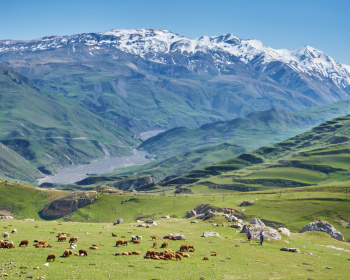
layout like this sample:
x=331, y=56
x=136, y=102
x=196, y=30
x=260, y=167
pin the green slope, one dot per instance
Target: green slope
x=256, y=130
x=14, y=166
x=53, y=131
x=317, y=157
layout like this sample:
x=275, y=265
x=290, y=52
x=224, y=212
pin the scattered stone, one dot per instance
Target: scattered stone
x=348, y=240
x=294, y=250
x=335, y=248
x=230, y=218
x=324, y=226
x=118, y=222
x=193, y=222
x=284, y=231
x=190, y=214
x=258, y=222
x=30, y=220
x=210, y=234
x=166, y=217
x=6, y=217
x=178, y=236
x=245, y=203
x=328, y=267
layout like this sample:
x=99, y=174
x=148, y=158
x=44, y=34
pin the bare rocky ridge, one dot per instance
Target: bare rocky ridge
x=324, y=226
x=67, y=204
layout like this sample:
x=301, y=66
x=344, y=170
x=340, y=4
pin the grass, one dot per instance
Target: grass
x=236, y=259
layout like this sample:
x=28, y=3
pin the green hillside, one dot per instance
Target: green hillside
x=256, y=130
x=51, y=131
x=317, y=157
x=15, y=167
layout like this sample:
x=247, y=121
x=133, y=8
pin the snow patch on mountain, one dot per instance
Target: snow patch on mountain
x=161, y=46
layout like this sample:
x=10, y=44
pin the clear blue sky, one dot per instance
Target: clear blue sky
x=290, y=24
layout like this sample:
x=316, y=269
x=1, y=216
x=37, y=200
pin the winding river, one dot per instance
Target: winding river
x=76, y=173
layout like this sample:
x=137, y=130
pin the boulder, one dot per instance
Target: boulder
x=294, y=250
x=230, y=218
x=210, y=234
x=179, y=236
x=193, y=222
x=324, y=226
x=190, y=214
x=150, y=222
x=166, y=217
x=284, y=231
x=258, y=222
x=245, y=203
x=270, y=233
x=6, y=217
x=118, y=222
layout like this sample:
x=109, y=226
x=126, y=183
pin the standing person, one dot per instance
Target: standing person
x=262, y=236
x=249, y=235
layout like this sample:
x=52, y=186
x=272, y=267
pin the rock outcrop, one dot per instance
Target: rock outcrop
x=67, y=204
x=118, y=222
x=324, y=226
x=178, y=236
x=270, y=233
x=257, y=222
x=206, y=211
x=284, y=231
x=210, y=234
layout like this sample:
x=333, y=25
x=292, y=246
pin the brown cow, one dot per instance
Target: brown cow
x=155, y=245
x=154, y=237
x=119, y=242
x=24, y=243
x=136, y=241
x=67, y=253
x=125, y=242
x=73, y=239
x=114, y=235
x=51, y=257
x=83, y=252
x=42, y=242
x=136, y=253
x=62, y=238
x=164, y=244
x=167, y=236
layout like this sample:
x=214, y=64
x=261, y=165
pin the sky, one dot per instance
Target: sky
x=282, y=24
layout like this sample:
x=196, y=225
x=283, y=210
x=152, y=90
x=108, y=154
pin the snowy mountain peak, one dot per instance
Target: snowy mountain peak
x=163, y=46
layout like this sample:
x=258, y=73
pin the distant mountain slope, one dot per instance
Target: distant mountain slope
x=153, y=79
x=14, y=166
x=255, y=130
x=50, y=131
x=317, y=157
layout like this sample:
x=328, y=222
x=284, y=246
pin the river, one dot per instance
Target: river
x=76, y=173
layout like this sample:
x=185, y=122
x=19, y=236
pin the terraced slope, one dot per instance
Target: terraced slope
x=317, y=157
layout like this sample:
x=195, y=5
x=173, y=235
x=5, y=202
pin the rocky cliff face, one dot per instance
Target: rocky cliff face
x=67, y=204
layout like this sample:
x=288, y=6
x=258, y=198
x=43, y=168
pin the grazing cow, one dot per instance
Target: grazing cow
x=213, y=254
x=167, y=236
x=93, y=248
x=154, y=237
x=49, y=246
x=155, y=245
x=67, y=253
x=178, y=257
x=164, y=244
x=51, y=257
x=119, y=242
x=76, y=254
x=114, y=235
x=62, y=238
x=38, y=246
x=14, y=231
x=6, y=235
x=174, y=238
x=118, y=254
x=83, y=252
x=136, y=241
x=125, y=242
x=186, y=255
x=184, y=247
x=73, y=239
x=205, y=258
x=24, y=243
x=10, y=245
x=136, y=253
x=42, y=242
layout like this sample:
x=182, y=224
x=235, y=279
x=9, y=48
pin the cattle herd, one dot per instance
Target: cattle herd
x=167, y=254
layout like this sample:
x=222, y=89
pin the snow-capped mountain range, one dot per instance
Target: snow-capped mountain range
x=165, y=47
